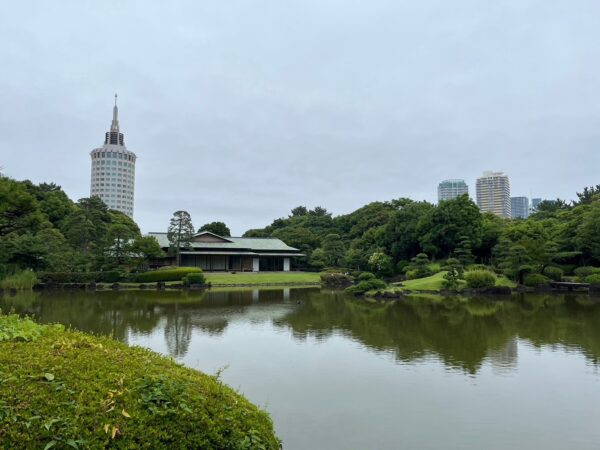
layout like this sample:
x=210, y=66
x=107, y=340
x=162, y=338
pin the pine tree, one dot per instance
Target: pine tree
x=180, y=233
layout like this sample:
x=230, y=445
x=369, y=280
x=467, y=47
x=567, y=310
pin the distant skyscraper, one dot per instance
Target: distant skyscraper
x=450, y=189
x=534, y=203
x=493, y=193
x=519, y=207
x=113, y=170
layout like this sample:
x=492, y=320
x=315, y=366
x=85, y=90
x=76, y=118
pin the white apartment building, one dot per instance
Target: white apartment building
x=493, y=194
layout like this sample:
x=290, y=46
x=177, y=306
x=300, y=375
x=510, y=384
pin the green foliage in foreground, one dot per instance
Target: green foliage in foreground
x=65, y=389
x=174, y=274
x=24, y=279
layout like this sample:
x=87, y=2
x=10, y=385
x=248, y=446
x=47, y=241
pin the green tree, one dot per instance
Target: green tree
x=334, y=249
x=463, y=251
x=299, y=211
x=419, y=266
x=442, y=229
x=145, y=248
x=180, y=233
x=218, y=228
x=318, y=258
x=381, y=264
x=401, y=233
x=454, y=273
x=120, y=237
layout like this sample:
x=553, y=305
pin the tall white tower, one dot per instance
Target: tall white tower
x=113, y=170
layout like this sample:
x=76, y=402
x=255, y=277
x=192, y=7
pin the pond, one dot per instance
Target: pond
x=337, y=372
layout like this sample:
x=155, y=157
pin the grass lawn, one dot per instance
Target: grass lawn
x=434, y=283
x=249, y=278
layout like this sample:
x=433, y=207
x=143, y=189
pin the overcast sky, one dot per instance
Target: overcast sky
x=240, y=110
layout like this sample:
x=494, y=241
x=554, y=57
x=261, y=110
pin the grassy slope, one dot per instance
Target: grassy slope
x=263, y=277
x=80, y=391
x=434, y=283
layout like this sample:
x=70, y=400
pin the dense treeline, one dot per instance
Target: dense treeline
x=387, y=236
x=43, y=230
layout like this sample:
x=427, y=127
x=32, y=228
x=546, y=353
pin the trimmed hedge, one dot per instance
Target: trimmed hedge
x=480, y=279
x=176, y=274
x=585, y=271
x=110, y=276
x=535, y=280
x=554, y=273
x=194, y=279
x=67, y=389
x=593, y=279
x=365, y=276
x=373, y=284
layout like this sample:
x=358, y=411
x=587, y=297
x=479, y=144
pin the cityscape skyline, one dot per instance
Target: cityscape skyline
x=281, y=121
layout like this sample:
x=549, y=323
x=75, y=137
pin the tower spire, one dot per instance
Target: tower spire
x=115, y=120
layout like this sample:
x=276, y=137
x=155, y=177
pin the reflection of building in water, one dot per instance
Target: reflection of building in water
x=504, y=359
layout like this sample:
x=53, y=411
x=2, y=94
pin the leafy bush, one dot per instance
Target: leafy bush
x=554, y=273
x=535, y=280
x=166, y=274
x=109, y=276
x=150, y=402
x=364, y=276
x=194, y=279
x=585, y=271
x=373, y=284
x=593, y=279
x=20, y=280
x=13, y=328
x=335, y=280
x=480, y=279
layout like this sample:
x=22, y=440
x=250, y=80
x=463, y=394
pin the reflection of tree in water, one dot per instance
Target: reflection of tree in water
x=461, y=333
x=120, y=313
x=178, y=331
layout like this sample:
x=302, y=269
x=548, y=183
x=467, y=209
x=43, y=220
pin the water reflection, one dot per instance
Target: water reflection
x=463, y=334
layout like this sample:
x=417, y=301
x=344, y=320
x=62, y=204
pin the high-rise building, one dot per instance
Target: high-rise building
x=493, y=193
x=450, y=189
x=534, y=203
x=113, y=170
x=519, y=207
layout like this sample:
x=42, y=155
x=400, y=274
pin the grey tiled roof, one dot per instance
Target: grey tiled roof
x=237, y=243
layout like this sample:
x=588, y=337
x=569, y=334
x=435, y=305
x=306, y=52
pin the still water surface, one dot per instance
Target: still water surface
x=339, y=373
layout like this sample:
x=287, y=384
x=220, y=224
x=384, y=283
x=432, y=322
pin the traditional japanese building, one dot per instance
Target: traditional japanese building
x=211, y=252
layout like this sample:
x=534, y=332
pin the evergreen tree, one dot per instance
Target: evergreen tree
x=180, y=233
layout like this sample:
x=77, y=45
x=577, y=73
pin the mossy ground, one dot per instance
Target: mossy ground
x=67, y=389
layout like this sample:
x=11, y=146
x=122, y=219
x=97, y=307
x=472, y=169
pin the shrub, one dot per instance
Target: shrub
x=20, y=280
x=364, y=276
x=335, y=280
x=149, y=402
x=373, y=284
x=109, y=276
x=535, y=280
x=194, y=279
x=585, y=271
x=593, y=279
x=554, y=273
x=166, y=274
x=480, y=279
